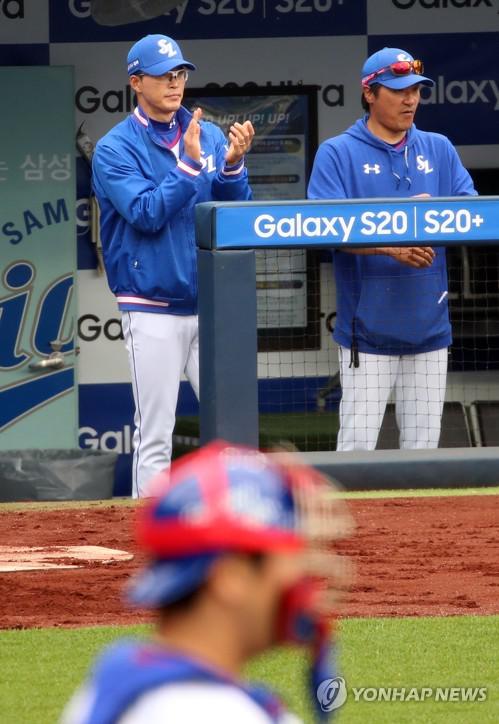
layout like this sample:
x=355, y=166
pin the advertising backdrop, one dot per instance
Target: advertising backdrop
x=237, y=44
x=37, y=258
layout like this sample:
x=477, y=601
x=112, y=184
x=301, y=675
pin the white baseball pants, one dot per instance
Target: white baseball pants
x=161, y=348
x=418, y=382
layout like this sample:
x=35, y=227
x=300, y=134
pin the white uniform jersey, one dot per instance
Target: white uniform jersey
x=183, y=703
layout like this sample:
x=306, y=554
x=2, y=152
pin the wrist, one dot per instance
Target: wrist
x=233, y=160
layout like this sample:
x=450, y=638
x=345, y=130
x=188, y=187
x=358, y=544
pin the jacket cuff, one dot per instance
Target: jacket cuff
x=233, y=170
x=189, y=166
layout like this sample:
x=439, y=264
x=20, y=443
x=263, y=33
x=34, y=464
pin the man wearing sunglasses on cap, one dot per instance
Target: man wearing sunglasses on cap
x=392, y=323
x=149, y=172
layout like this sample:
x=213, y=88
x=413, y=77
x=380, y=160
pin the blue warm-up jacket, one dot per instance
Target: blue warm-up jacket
x=384, y=307
x=146, y=198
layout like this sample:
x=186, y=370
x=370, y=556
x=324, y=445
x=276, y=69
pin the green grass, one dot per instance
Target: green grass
x=350, y=495
x=419, y=493
x=41, y=667
x=306, y=430
x=38, y=506
x=410, y=652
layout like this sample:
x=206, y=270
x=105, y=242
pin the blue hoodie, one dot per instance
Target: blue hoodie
x=384, y=307
x=146, y=198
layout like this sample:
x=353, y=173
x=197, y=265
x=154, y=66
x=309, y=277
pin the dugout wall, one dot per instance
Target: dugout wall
x=228, y=235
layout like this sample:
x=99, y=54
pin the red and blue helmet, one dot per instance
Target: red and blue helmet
x=226, y=498
x=222, y=498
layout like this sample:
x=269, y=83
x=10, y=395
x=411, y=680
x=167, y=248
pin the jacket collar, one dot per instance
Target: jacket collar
x=183, y=118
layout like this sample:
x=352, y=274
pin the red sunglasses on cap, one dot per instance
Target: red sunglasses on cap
x=401, y=67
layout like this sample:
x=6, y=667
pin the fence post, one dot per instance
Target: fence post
x=228, y=346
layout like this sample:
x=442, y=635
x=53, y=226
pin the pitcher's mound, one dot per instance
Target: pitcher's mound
x=13, y=558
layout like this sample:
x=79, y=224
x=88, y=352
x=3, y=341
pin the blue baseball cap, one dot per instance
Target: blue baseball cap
x=384, y=59
x=156, y=55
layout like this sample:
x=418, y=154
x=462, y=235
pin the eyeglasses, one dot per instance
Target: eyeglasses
x=180, y=75
x=401, y=67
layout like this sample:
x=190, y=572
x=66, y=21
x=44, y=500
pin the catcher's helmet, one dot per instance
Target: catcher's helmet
x=224, y=498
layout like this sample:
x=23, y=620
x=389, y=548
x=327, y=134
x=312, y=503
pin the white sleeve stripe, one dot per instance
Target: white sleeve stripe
x=123, y=299
x=235, y=172
x=188, y=169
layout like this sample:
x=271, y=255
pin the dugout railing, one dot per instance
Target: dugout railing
x=228, y=235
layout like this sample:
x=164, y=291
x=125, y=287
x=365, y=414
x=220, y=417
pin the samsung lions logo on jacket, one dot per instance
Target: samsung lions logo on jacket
x=423, y=164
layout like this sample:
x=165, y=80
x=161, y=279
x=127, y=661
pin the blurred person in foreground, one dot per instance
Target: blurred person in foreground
x=241, y=559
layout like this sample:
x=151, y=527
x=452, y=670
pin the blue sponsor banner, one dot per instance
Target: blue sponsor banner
x=464, y=103
x=37, y=259
x=295, y=394
x=106, y=423
x=14, y=54
x=109, y=427
x=457, y=220
x=87, y=257
x=70, y=21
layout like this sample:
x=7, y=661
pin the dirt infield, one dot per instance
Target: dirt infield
x=414, y=557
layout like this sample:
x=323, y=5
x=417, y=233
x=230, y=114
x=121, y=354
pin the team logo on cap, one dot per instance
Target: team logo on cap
x=166, y=48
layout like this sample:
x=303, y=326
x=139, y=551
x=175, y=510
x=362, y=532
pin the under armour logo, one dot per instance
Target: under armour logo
x=375, y=169
x=423, y=164
x=166, y=48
